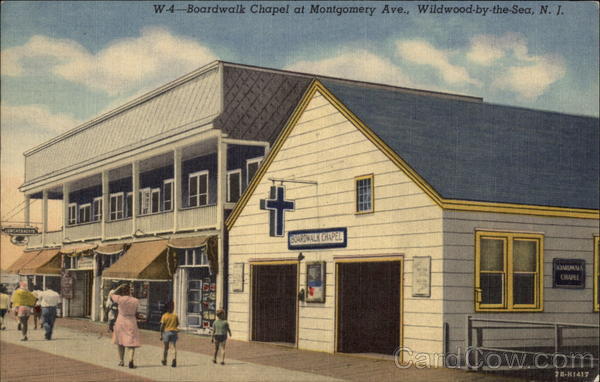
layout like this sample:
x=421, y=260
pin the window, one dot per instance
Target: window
x=234, y=185
x=155, y=201
x=364, y=194
x=97, y=209
x=252, y=166
x=116, y=206
x=509, y=271
x=192, y=257
x=597, y=273
x=72, y=213
x=145, y=201
x=198, y=189
x=129, y=205
x=168, y=195
x=85, y=213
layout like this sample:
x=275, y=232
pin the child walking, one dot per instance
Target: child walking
x=169, y=325
x=219, y=336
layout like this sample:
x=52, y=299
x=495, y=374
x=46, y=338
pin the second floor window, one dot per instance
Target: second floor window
x=234, y=185
x=168, y=195
x=145, y=201
x=85, y=212
x=116, y=206
x=97, y=209
x=155, y=200
x=198, y=189
x=72, y=213
x=129, y=205
x=252, y=166
x=364, y=194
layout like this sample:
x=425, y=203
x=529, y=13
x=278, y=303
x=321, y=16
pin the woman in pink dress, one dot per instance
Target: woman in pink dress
x=126, y=333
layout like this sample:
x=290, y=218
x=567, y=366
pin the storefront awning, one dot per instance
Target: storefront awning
x=22, y=261
x=199, y=241
x=143, y=261
x=47, y=262
x=82, y=250
x=111, y=249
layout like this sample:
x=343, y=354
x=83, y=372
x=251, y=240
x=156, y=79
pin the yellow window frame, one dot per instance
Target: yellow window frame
x=596, y=272
x=356, y=180
x=508, y=279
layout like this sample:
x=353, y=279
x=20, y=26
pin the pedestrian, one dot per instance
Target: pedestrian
x=112, y=309
x=23, y=301
x=37, y=308
x=219, y=336
x=4, y=303
x=169, y=326
x=126, y=333
x=48, y=300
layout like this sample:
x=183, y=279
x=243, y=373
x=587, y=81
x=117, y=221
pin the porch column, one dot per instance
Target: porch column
x=26, y=212
x=66, y=189
x=135, y=185
x=44, y=216
x=105, y=202
x=177, y=195
x=221, y=199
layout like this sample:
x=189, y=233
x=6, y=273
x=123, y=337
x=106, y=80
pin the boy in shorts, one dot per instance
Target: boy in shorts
x=219, y=336
x=169, y=325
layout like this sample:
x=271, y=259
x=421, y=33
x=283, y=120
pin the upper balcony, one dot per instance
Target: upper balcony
x=176, y=190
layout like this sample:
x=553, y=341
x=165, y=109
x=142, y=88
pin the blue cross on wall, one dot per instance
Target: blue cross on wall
x=276, y=205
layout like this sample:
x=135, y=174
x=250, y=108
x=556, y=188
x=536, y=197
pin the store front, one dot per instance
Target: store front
x=149, y=267
x=43, y=272
x=195, y=282
x=78, y=266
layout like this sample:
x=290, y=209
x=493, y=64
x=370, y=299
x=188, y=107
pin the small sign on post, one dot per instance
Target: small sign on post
x=568, y=273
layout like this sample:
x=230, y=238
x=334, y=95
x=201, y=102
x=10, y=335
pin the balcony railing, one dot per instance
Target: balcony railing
x=86, y=231
x=154, y=223
x=199, y=217
x=118, y=228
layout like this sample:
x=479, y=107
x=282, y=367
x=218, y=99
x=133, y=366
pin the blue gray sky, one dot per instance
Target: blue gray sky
x=64, y=62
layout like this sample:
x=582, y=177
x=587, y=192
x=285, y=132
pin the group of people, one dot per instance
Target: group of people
x=122, y=316
x=42, y=304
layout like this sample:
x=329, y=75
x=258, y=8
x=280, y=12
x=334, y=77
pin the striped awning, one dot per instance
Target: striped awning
x=47, y=262
x=143, y=261
x=111, y=249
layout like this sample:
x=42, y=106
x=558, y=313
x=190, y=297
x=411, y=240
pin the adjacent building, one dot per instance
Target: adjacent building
x=145, y=189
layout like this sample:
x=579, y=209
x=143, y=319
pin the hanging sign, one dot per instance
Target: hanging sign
x=20, y=231
x=568, y=273
x=318, y=238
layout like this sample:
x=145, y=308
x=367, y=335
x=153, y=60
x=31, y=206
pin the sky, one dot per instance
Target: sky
x=62, y=63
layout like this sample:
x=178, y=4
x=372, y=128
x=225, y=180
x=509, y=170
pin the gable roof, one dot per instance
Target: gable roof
x=476, y=151
x=466, y=154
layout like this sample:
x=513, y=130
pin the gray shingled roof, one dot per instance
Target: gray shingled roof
x=483, y=152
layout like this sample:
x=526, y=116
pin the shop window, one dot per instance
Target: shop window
x=364, y=194
x=252, y=166
x=97, y=209
x=85, y=213
x=192, y=257
x=72, y=213
x=116, y=206
x=198, y=189
x=509, y=274
x=597, y=273
x=168, y=195
x=234, y=185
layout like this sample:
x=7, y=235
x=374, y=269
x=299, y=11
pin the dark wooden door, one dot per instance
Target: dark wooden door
x=274, y=303
x=369, y=307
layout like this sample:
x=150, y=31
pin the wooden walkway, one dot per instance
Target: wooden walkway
x=346, y=367
x=16, y=366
